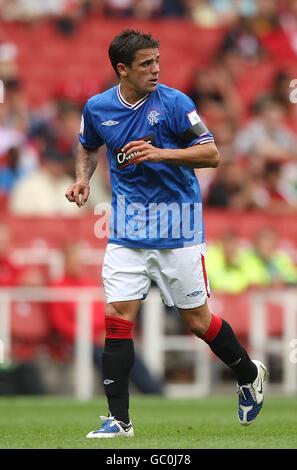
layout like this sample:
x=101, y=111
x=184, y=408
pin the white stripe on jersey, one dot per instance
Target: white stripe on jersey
x=128, y=105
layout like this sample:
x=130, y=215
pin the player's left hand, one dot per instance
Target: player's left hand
x=144, y=152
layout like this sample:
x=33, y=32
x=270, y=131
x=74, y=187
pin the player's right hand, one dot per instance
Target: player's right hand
x=78, y=193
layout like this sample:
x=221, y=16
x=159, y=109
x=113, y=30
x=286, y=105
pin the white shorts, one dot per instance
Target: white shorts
x=179, y=273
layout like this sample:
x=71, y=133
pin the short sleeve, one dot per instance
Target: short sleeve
x=88, y=136
x=187, y=124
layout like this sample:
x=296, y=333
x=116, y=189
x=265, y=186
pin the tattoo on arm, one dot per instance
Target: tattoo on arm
x=86, y=163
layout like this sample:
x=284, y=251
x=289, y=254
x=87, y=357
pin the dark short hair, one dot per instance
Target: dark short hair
x=123, y=47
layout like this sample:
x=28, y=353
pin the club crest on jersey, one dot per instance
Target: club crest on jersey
x=123, y=160
x=153, y=117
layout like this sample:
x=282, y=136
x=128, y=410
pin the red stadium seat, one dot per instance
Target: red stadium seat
x=29, y=321
x=29, y=328
x=236, y=310
x=84, y=55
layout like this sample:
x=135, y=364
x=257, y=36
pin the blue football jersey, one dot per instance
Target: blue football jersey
x=154, y=205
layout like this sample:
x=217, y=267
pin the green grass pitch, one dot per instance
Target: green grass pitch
x=159, y=423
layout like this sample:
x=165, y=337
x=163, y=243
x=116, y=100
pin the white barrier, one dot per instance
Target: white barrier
x=83, y=350
x=155, y=343
x=260, y=342
x=54, y=259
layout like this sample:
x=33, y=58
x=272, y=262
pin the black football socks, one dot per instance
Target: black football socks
x=117, y=362
x=224, y=344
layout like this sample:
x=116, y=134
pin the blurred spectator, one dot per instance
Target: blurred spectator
x=267, y=136
x=28, y=10
x=11, y=173
x=288, y=21
x=142, y=9
x=18, y=157
x=288, y=182
x=68, y=18
x=215, y=95
x=43, y=192
x=274, y=199
x=202, y=13
x=63, y=320
x=9, y=135
x=266, y=19
x=62, y=314
x=31, y=10
x=241, y=39
x=281, y=87
x=28, y=132
x=281, y=91
x=267, y=264
x=8, y=56
x=231, y=188
x=234, y=8
x=204, y=87
x=17, y=113
x=224, y=134
x=241, y=186
x=173, y=8
x=226, y=268
x=8, y=271
x=91, y=7
x=118, y=8
x=145, y=9
x=66, y=127
x=223, y=131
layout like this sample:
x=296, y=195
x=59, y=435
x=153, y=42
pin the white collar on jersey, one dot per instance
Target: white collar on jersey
x=128, y=105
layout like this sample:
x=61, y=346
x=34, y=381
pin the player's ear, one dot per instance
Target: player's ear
x=122, y=69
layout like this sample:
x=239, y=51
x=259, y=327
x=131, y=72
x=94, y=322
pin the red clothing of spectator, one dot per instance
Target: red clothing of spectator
x=62, y=315
x=275, y=195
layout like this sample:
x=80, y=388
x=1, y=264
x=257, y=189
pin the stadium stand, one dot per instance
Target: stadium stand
x=45, y=247
x=229, y=63
x=44, y=77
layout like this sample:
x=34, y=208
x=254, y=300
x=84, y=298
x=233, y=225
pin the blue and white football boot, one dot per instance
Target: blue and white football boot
x=112, y=428
x=251, y=396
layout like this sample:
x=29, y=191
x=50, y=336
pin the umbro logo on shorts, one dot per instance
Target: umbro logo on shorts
x=109, y=123
x=195, y=293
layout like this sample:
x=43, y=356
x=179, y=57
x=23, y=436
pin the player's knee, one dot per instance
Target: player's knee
x=112, y=310
x=119, y=310
x=123, y=310
x=197, y=325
